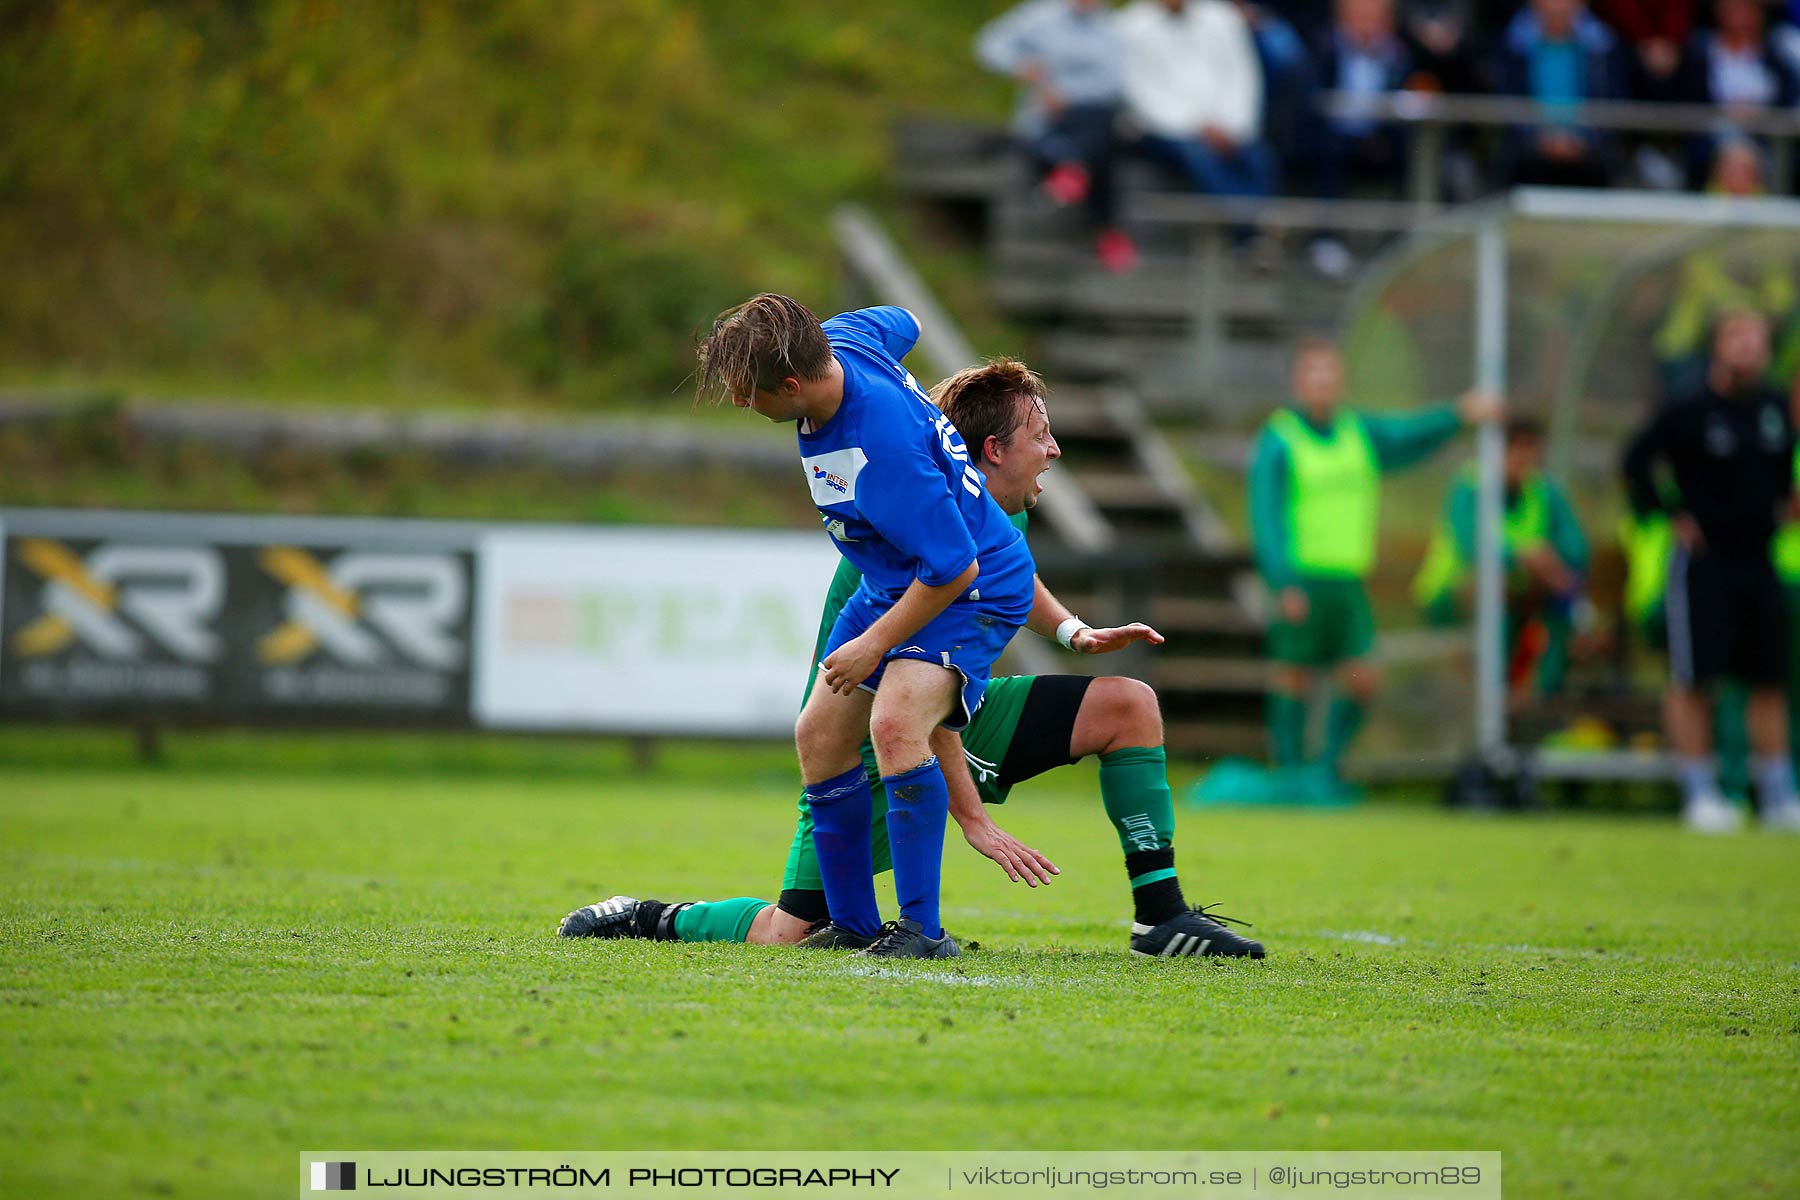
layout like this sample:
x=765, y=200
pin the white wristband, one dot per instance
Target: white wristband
x=1065, y=633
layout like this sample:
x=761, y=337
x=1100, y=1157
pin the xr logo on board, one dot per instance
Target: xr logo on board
x=410, y=600
x=122, y=601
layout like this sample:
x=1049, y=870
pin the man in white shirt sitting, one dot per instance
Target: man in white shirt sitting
x=1194, y=87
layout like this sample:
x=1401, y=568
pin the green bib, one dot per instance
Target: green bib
x=1648, y=545
x=1334, y=494
x=1786, y=550
x=1526, y=523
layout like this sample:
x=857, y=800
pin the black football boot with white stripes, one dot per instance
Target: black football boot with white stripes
x=1193, y=933
x=622, y=917
x=615, y=918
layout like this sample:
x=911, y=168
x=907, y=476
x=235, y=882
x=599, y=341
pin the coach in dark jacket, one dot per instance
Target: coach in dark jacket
x=1729, y=451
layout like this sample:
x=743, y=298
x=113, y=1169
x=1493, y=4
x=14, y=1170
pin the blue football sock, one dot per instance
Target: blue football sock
x=842, y=808
x=918, y=806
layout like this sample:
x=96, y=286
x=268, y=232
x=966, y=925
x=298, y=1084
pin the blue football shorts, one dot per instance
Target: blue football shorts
x=966, y=638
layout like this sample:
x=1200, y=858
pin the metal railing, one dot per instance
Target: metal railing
x=1431, y=115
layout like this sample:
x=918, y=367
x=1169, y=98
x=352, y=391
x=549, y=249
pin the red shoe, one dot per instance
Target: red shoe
x=1116, y=251
x=1067, y=183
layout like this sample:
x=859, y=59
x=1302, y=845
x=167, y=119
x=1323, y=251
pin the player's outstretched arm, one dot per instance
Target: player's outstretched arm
x=1049, y=616
x=1019, y=861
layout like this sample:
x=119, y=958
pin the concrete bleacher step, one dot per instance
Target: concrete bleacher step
x=1206, y=645
x=936, y=139
x=1208, y=617
x=1213, y=739
x=1162, y=370
x=957, y=162
x=1030, y=281
x=1200, y=626
x=1090, y=439
x=1165, y=557
x=1170, y=613
x=1068, y=294
x=1140, y=329
x=1244, y=676
x=1127, y=490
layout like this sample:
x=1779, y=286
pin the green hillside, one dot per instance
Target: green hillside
x=531, y=203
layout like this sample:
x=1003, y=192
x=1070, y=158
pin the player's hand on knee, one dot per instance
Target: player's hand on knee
x=1019, y=861
x=851, y=663
x=1103, y=641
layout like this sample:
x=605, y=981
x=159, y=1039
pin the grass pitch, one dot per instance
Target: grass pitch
x=210, y=965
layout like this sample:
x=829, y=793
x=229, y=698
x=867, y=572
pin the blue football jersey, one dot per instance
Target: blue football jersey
x=892, y=479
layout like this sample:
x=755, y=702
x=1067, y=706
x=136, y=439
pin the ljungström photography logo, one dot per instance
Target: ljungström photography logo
x=334, y=1177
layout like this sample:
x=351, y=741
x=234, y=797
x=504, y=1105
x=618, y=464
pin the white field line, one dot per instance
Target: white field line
x=894, y=973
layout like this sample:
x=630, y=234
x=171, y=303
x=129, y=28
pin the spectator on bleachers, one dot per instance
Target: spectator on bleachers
x=1290, y=81
x=1362, y=58
x=1193, y=85
x=1737, y=170
x=1070, y=60
x=1785, y=37
x=1559, y=54
x=1439, y=35
x=1654, y=32
x=1485, y=21
x=1310, y=18
x=1736, y=68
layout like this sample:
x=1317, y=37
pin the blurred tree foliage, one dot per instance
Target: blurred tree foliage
x=534, y=200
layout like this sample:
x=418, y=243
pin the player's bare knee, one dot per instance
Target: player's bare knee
x=821, y=750
x=1132, y=713
x=775, y=927
x=807, y=738
x=900, y=745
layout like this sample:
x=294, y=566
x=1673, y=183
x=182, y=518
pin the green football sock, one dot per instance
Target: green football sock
x=1134, y=787
x=1287, y=729
x=718, y=920
x=1731, y=738
x=1343, y=720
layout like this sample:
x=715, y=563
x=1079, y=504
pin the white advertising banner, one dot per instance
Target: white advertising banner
x=666, y=631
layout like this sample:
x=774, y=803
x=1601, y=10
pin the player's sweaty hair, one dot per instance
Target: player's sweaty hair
x=762, y=341
x=983, y=402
